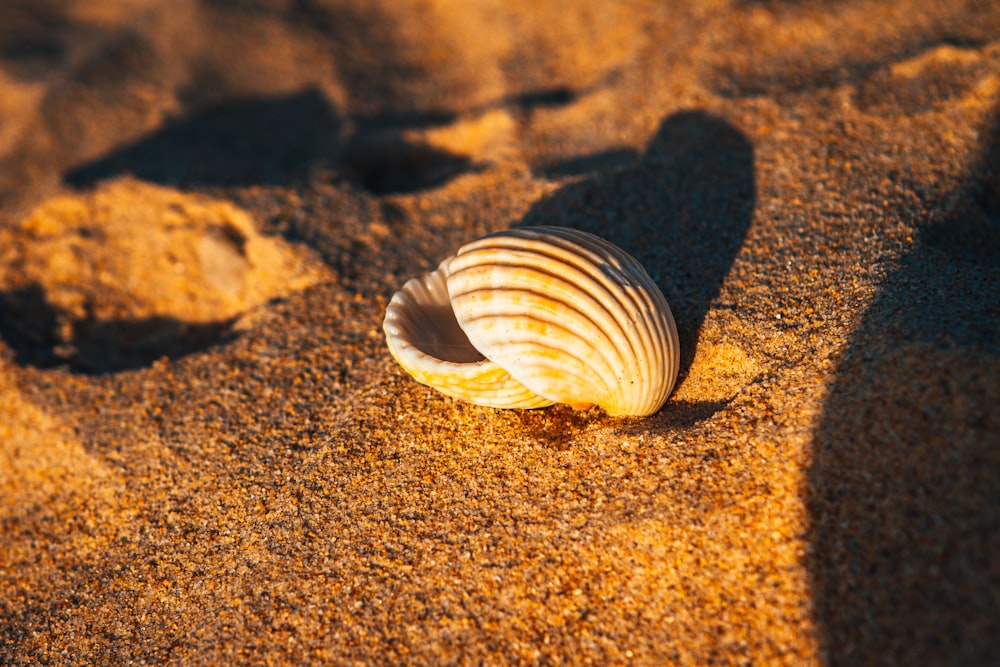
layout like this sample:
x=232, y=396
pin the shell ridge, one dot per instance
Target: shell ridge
x=411, y=311
x=538, y=378
x=650, y=343
x=602, y=295
x=519, y=340
x=608, y=271
x=660, y=315
x=545, y=308
x=587, y=261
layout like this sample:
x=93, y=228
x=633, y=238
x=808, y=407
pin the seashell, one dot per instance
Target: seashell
x=533, y=316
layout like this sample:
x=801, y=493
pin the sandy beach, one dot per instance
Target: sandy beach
x=209, y=457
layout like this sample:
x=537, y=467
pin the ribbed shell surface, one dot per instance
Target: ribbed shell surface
x=570, y=316
x=426, y=340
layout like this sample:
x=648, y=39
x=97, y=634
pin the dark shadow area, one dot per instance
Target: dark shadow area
x=971, y=230
x=587, y=165
x=682, y=209
x=266, y=141
x=33, y=37
x=40, y=336
x=280, y=140
x=904, y=488
x=677, y=415
x=556, y=426
x=386, y=164
x=547, y=98
x=381, y=159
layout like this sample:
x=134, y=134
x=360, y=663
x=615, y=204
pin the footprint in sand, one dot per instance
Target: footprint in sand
x=122, y=276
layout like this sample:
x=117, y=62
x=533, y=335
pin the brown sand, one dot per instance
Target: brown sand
x=207, y=455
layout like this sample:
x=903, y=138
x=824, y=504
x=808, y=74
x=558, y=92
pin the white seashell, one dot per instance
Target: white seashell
x=533, y=316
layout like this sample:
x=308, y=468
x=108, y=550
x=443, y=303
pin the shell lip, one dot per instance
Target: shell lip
x=420, y=324
x=424, y=337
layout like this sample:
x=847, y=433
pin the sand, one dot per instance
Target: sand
x=208, y=456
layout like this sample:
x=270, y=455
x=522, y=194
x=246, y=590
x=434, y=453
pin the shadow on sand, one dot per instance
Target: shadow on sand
x=40, y=336
x=903, y=489
x=280, y=140
x=682, y=208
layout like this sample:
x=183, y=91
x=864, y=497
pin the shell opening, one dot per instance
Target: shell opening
x=441, y=337
x=422, y=317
